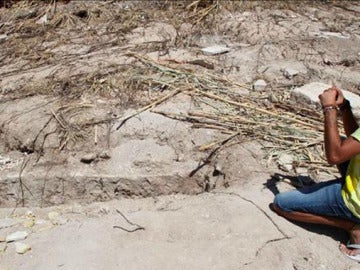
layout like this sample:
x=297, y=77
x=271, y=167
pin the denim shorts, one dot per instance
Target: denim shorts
x=321, y=199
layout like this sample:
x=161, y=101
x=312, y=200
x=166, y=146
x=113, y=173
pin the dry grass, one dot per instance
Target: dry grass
x=285, y=127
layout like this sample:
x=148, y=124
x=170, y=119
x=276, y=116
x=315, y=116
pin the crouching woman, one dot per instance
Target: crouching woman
x=337, y=202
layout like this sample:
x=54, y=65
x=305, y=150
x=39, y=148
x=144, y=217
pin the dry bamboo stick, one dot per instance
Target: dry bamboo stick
x=205, y=147
x=58, y=119
x=259, y=110
x=155, y=103
x=189, y=118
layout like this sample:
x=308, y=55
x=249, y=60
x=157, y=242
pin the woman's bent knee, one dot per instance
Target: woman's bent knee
x=283, y=201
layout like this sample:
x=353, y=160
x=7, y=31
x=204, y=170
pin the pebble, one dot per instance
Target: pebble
x=42, y=20
x=26, y=14
x=88, y=158
x=104, y=155
x=30, y=214
x=214, y=50
x=285, y=162
x=289, y=73
x=19, y=235
x=3, y=37
x=259, y=85
x=22, y=248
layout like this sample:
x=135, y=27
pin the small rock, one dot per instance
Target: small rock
x=25, y=14
x=16, y=236
x=30, y=214
x=214, y=50
x=104, y=155
x=334, y=34
x=88, y=158
x=2, y=239
x=273, y=98
x=289, y=73
x=218, y=169
x=22, y=248
x=285, y=162
x=326, y=61
x=3, y=247
x=42, y=20
x=3, y=37
x=259, y=85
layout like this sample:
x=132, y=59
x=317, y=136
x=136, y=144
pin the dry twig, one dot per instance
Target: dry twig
x=137, y=227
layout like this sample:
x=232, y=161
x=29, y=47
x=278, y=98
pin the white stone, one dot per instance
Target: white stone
x=259, y=85
x=334, y=34
x=22, y=248
x=88, y=158
x=30, y=214
x=308, y=95
x=16, y=236
x=214, y=50
x=42, y=20
x=3, y=37
x=285, y=162
x=290, y=72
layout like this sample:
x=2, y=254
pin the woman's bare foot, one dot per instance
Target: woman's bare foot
x=354, y=239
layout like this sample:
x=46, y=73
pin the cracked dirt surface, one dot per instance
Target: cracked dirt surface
x=100, y=112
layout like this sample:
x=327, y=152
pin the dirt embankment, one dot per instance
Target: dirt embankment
x=102, y=100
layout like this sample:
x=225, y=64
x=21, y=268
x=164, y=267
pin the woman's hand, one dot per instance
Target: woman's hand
x=331, y=97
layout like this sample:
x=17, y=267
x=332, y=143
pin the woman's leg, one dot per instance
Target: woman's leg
x=320, y=204
x=352, y=228
x=314, y=218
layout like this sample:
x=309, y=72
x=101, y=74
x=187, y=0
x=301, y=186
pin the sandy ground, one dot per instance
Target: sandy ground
x=227, y=228
x=231, y=229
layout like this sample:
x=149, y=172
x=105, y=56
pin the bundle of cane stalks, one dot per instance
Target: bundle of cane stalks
x=282, y=126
